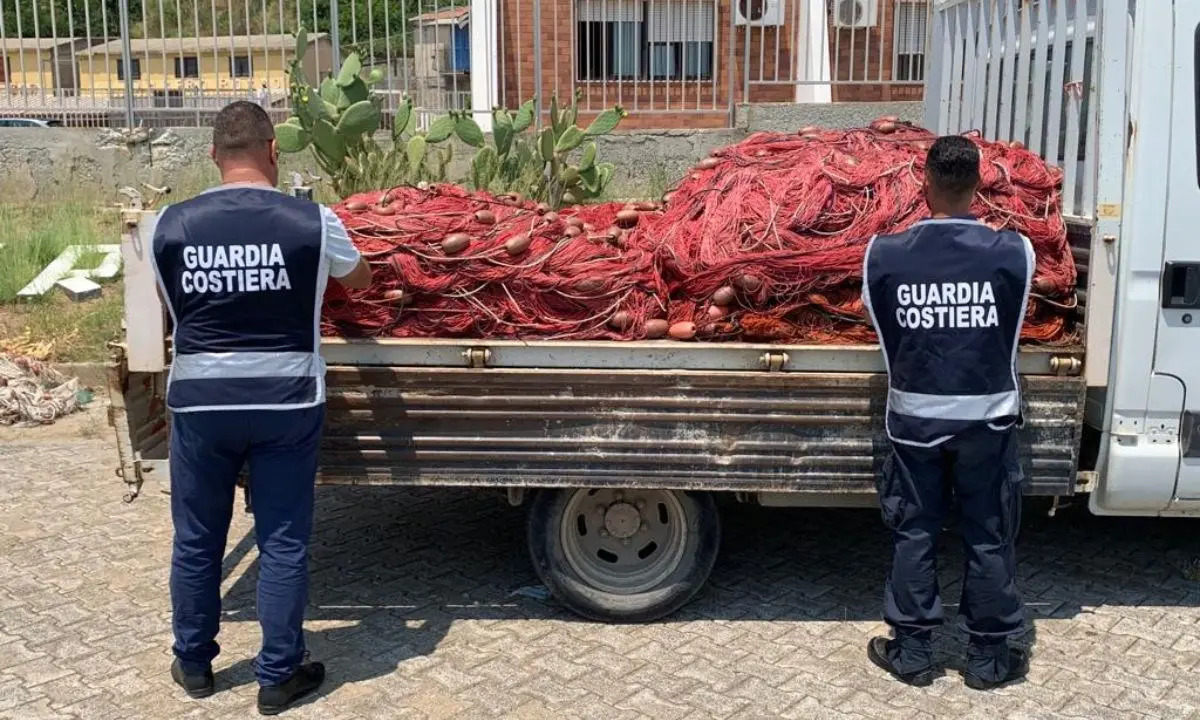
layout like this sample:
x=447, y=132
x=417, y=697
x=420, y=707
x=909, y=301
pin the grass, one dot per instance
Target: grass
x=90, y=260
x=53, y=327
x=33, y=235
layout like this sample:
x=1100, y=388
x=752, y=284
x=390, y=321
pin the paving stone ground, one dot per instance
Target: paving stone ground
x=418, y=608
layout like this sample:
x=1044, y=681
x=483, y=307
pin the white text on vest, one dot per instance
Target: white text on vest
x=946, y=305
x=233, y=268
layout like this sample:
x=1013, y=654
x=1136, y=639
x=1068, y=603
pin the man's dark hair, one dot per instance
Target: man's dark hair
x=952, y=167
x=241, y=126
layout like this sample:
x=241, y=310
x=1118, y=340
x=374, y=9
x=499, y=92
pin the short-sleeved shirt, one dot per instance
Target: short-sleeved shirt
x=342, y=255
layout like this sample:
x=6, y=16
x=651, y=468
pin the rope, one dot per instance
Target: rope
x=33, y=393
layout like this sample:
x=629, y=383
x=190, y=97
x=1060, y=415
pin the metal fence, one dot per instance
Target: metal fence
x=682, y=63
x=1023, y=72
x=842, y=50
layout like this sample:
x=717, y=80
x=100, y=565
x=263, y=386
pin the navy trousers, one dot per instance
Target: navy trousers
x=208, y=450
x=984, y=473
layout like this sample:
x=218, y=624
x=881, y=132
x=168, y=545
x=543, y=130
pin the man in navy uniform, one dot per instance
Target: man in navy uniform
x=947, y=298
x=242, y=269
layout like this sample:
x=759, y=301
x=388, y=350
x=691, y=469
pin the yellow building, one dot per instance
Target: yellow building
x=36, y=64
x=181, y=68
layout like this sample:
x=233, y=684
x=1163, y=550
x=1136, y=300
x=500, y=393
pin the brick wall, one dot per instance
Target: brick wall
x=864, y=60
x=691, y=103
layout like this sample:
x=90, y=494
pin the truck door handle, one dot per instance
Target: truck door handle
x=1181, y=285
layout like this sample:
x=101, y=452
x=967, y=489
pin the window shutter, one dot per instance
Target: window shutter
x=608, y=11
x=911, y=26
x=681, y=20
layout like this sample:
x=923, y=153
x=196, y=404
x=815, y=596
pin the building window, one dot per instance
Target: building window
x=4, y=71
x=168, y=98
x=631, y=39
x=135, y=65
x=912, y=24
x=187, y=67
x=239, y=66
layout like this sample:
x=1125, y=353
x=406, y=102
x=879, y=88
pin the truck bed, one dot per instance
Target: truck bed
x=733, y=417
x=654, y=414
x=716, y=416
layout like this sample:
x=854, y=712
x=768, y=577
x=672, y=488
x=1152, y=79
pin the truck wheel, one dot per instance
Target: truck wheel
x=623, y=555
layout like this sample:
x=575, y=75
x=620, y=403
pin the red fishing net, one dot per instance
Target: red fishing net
x=772, y=231
x=762, y=242
x=449, y=263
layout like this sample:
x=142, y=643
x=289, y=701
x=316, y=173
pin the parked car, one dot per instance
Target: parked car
x=29, y=122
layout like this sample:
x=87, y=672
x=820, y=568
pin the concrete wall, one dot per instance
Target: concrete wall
x=649, y=161
x=50, y=164
x=59, y=163
x=789, y=117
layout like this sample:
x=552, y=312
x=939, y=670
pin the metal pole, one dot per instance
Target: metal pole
x=335, y=38
x=537, y=60
x=126, y=61
x=933, y=71
x=729, y=60
x=747, y=28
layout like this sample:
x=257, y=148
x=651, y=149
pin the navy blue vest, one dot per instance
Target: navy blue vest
x=243, y=270
x=947, y=298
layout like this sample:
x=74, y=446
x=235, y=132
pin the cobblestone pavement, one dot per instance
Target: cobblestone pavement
x=416, y=611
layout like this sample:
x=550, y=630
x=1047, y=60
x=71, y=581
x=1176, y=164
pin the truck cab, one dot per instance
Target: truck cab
x=1152, y=399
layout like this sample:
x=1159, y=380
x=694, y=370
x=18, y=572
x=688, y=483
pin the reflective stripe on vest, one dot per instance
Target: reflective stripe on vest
x=947, y=299
x=224, y=366
x=954, y=407
x=246, y=338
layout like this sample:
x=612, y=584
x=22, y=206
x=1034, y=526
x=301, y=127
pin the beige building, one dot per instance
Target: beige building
x=37, y=64
x=177, y=68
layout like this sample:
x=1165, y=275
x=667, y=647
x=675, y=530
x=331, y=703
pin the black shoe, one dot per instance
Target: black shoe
x=198, y=685
x=877, y=650
x=1018, y=668
x=277, y=698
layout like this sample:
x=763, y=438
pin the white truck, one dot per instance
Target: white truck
x=620, y=447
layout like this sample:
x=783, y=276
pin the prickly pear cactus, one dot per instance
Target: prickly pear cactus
x=563, y=154
x=338, y=119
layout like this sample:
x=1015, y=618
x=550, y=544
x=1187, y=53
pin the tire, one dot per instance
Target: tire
x=606, y=558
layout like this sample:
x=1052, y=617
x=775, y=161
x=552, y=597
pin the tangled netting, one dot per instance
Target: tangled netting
x=33, y=393
x=772, y=231
x=449, y=263
x=761, y=242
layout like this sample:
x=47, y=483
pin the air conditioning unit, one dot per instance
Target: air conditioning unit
x=855, y=13
x=758, y=13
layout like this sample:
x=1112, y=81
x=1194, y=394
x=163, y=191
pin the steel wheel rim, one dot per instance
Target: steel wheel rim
x=603, y=548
